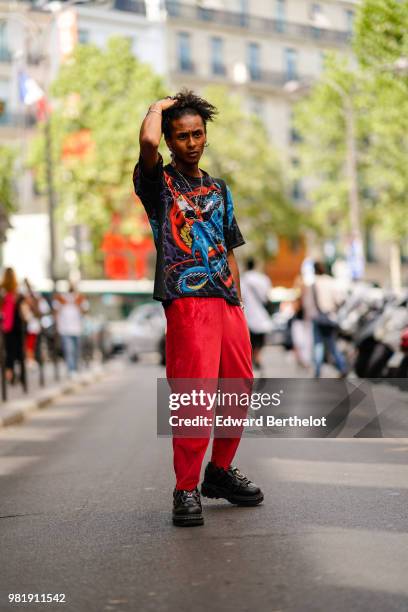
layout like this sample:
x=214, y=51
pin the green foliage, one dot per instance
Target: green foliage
x=381, y=41
x=245, y=159
x=105, y=92
x=7, y=192
x=381, y=32
x=320, y=120
x=379, y=96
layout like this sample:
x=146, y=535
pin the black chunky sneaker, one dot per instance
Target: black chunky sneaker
x=230, y=485
x=187, y=510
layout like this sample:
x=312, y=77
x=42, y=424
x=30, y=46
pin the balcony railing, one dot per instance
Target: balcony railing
x=218, y=69
x=178, y=10
x=17, y=120
x=264, y=78
x=130, y=6
x=268, y=77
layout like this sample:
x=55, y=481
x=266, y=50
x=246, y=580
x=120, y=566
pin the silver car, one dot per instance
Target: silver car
x=146, y=330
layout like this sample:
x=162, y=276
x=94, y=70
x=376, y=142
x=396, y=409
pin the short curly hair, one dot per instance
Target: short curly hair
x=187, y=104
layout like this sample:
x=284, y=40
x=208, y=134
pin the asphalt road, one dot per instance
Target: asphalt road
x=85, y=500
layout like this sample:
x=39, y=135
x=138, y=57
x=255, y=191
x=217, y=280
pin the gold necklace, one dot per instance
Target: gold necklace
x=196, y=206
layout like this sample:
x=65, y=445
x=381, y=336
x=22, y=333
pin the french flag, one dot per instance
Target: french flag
x=31, y=94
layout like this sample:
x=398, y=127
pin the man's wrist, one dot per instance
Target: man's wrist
x=155, y=108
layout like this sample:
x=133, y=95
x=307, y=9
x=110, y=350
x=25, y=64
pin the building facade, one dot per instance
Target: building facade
x=256, y=48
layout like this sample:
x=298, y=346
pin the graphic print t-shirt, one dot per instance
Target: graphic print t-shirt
x=193, y=227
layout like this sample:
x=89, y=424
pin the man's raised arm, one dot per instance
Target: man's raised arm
x=151, y=133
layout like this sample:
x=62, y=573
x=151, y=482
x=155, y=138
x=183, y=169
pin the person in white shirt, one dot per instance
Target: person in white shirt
x=255, y=287
x=69, y=308
x=325, y=300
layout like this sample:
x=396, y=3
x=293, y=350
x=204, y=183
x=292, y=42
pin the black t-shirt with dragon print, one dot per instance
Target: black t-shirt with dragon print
x=193, y=226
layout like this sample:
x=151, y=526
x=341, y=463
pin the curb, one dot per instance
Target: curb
x=15, y=412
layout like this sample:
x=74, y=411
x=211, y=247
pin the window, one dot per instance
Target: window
x=294, y=135
x=297, y=192
x=291, y=59
x=217, y=55
x=254, y=61
x=184, y=52
x=317, y=18
x=280, y=15
x=315, y=12
x=5, y=55
x=173, y=8
x=83, y=36
x=297, y=188
x=3, y=36
x=349, y=21
x=243, y=11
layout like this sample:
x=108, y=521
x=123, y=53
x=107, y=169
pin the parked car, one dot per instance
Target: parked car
x=146, y=331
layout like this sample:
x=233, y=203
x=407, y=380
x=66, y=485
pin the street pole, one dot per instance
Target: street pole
x=351, y=159
x=51, y=200
x=351, y=168
x=51, y=221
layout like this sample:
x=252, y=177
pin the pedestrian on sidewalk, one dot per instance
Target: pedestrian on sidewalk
x=326, y=300
x=301, y=325
x=69, y=308
x=33, y=324
x=14, y=314
x=255, y=286
x=197, y=279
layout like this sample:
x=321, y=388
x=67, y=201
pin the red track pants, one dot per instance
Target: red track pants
x=206, y=338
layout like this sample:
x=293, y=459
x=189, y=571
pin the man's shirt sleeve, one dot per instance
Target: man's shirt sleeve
x=148, y=188
x=232, y=233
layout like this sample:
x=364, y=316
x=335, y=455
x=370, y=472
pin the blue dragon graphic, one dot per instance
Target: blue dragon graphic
x=203, y=237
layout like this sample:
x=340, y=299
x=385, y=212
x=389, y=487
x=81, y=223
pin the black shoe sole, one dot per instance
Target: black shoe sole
x=214, y=492
x=188, y=521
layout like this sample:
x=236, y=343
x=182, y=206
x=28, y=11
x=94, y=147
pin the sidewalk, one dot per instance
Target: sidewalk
x=20, y=404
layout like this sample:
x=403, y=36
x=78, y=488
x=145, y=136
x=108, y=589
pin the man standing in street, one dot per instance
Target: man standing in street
x=255, y=292
x=70, y=308
x=197, y=279
x=326, y=300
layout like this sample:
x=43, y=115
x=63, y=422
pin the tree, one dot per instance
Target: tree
x=381, y=33
x=381, y=44
x=251, y=167
x=101, y=96
x=320, y=119
x=7, y=191
x=378, y=94
x=8, y=203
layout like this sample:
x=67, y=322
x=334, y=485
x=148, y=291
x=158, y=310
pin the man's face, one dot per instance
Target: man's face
x=187, y=139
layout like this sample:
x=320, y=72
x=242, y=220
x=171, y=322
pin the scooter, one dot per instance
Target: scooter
x=380, y=339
